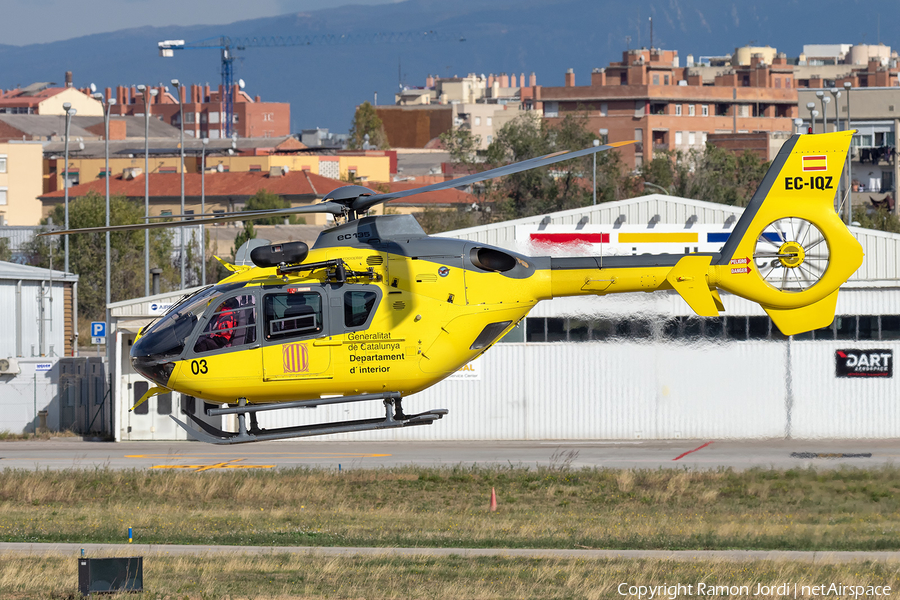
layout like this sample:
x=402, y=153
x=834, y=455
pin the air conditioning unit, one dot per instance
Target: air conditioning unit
x=9, y=366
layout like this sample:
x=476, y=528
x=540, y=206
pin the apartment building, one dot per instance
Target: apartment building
x=20, y=183
x=651, y=98
x=477, y=103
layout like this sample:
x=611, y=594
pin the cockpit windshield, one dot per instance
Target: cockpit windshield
x=166, y=337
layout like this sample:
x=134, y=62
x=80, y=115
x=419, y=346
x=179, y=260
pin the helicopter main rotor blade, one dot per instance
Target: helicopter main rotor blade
x=364, y=203
x=322, y=207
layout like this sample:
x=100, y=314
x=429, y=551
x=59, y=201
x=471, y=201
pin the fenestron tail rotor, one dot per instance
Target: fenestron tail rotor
x=791, y=254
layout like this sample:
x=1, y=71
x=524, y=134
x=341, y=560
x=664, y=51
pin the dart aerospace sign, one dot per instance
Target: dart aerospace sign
x=864, y=363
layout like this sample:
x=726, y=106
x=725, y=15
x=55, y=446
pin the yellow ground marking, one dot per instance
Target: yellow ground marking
x=281, y=454
x=229, y=464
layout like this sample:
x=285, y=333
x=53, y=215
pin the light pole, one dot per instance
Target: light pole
x=836, y=93
x=847, y=86
x=813, y=113
x=70, y=112
x=659, y=187
x=798, y=125
x=107, y=106
x=824, y=100
x=147, y=93
x=603, y=140
x=203, y=210
x=177, y=85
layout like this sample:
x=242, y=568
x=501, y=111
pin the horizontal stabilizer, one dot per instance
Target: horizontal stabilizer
x=689, y=277
x=792, y=321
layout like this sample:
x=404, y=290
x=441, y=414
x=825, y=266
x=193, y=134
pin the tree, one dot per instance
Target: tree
x=247, y=233
x=264, y=200
x=724, y=177
x=462, y=145
x=5, y=252
x=562, y=186
x=87, y=254
x=881, y=219
x=714, y=175
x=366, y=121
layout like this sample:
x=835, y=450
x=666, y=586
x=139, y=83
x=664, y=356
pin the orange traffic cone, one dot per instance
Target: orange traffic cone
x=493, y=500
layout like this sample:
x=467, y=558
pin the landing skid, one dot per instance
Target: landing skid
x=393, y=418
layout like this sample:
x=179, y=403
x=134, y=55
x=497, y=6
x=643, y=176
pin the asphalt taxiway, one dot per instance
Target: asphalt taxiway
x=74, y=453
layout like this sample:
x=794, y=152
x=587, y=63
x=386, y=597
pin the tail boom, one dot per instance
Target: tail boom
x=789, y=252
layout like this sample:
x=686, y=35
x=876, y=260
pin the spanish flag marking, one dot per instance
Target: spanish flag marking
x=816, y=162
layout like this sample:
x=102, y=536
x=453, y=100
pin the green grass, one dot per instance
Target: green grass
x=843, y=509
x=311, y=576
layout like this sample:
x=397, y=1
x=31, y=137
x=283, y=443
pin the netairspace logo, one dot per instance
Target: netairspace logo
x=785, y=590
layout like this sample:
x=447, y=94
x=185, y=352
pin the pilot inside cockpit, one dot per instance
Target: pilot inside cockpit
x=220, y=331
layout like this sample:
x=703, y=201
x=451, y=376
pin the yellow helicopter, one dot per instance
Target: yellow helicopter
x=377, y=310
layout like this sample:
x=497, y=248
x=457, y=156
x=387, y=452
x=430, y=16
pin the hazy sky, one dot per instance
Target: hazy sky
x=38, y=21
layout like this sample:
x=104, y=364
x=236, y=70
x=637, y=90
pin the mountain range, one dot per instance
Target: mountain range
x=324, y=82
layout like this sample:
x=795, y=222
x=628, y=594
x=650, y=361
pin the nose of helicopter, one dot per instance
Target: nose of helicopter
x=155, y=351
x=157, y=370
x=155, y=366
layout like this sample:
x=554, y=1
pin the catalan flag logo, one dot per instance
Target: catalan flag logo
x=296, y=358
x=816, y=162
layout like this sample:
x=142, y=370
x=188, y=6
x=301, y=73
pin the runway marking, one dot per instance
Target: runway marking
x=694, y=450
x=223, y=465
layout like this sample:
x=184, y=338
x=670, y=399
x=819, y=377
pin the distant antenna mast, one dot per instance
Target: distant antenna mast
x=639, y=29
x=651, y=33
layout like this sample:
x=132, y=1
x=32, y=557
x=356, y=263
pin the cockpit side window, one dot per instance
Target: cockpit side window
x=232, y=324
x=292, y=315
x=358, y=306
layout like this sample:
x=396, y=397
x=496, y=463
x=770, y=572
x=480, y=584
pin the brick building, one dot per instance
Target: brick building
x=650, y=98
x=204, y=111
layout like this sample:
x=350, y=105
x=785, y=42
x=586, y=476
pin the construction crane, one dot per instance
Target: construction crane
x=227, y=45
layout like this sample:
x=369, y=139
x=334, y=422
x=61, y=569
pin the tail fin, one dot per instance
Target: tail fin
x=789, y=252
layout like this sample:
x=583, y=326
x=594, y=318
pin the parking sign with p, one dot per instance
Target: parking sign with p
x=98, y=332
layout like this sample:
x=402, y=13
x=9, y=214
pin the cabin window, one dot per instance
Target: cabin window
x=232, y=324
x=358, y=306
x=292, y=315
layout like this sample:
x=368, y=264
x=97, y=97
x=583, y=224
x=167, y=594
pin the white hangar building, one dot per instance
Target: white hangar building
x=39, y=308
x=639, y=366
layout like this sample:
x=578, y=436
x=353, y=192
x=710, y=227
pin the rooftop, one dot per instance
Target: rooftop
x=238, y=185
